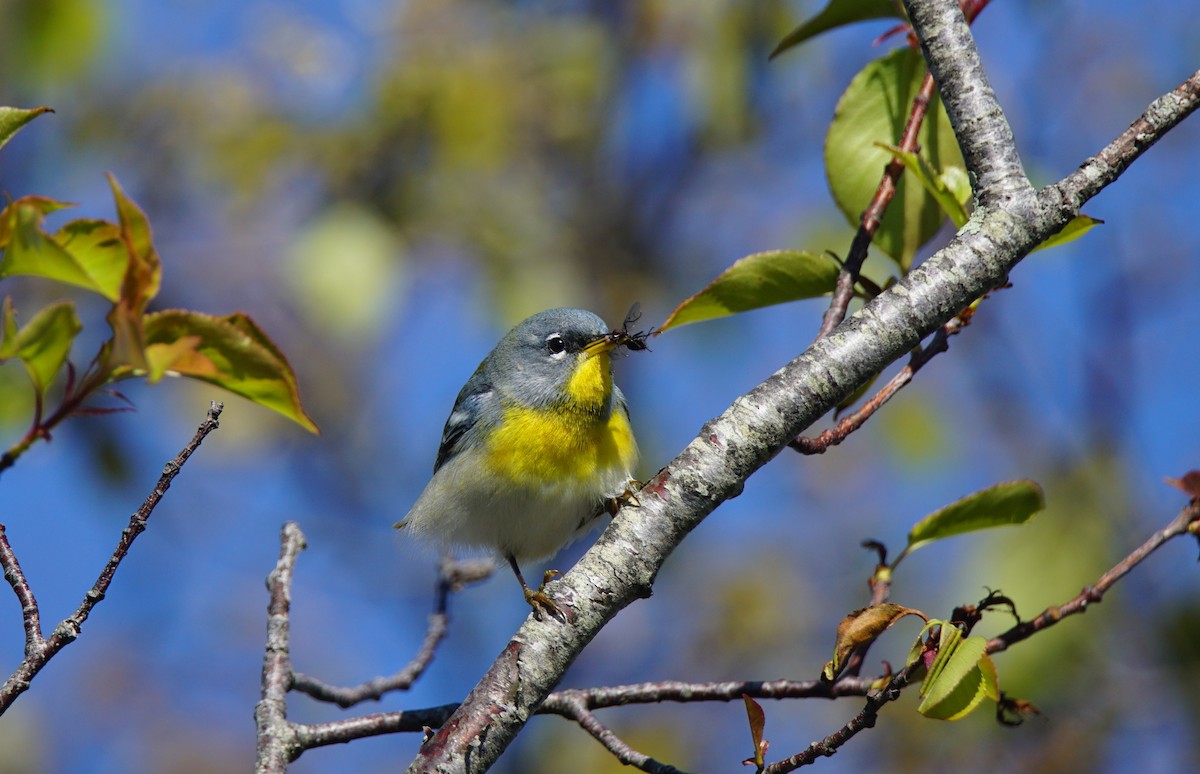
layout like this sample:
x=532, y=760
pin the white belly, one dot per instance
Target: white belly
x=459, y=507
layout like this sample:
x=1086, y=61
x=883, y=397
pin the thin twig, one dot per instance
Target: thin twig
x=453, y=575
x=863, y=720
x=69, y=628
x=853, y=421
x=1185, y=522
x=373, y=690
x=30, y=616
x=575, y=708
x=685, y=693
x=310, y=736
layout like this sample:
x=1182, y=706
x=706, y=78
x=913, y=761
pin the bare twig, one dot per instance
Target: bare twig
x=453, y=575
x=277, y=743
x=863, y=720
x=574, y=707
x=30, y=616
x=39, y=649
x=1163, y=114
x=577, y=704
x=1185, y=522
x=685, y=693
x=853, y=421
x=379, y=686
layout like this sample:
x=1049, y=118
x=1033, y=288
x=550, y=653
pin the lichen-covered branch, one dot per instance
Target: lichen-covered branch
x=979, y=124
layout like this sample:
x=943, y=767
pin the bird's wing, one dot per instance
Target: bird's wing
x=464, y=420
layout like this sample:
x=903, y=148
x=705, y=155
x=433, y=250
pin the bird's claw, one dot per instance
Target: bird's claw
x=628, y=497
x=541, y=602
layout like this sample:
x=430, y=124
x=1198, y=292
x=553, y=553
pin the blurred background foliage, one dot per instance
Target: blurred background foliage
x=387, y=186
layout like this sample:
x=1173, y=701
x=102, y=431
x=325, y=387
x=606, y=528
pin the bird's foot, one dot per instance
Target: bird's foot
x=628, y=497
x=541, y=602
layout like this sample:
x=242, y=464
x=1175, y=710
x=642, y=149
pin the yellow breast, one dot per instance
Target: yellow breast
x=571, y=444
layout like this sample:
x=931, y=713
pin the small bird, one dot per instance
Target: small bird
x=537, y=446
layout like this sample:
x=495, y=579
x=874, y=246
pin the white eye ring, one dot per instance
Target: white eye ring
x=557, y=346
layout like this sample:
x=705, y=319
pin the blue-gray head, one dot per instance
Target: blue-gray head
x=559, y=356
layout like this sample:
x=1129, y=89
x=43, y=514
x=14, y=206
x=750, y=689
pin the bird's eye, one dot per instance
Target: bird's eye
x=555, y=344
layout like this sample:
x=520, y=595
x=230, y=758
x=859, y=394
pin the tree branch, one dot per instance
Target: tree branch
x=278, y=744
x=38, y=649
x=983, y=133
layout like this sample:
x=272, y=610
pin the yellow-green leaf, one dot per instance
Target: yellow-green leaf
x=8, y=330
x=860, y=628
x=97, y=247
x=231, y=352
x=933, y=182
x=962, y=676
x=958, y=182
x=139, y=284
x=44, y=342
x=838, y=13
x=12, y=119
x=1011, y=502
x=144, y=272
x=1075, y=228
x=874, y=109
x=30, y=251
x=756, y=281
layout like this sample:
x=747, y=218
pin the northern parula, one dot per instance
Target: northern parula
x=537, y=445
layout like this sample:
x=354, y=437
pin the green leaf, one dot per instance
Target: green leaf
x=758, y=280
x=962, y=676
x=958, y=182
x=12, y=119
x=1011, y=502
x=1075, y=228
x=838, y=13
x=30, y=251
x=45, y=341
x=933, y=183
x=97, y=247
x=231, y=352
x=949, y=637
x=143, y=274
x=860, y=628
x=874, y=109
x=8, y=331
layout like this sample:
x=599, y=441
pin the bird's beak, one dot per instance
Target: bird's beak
x=605, y=343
